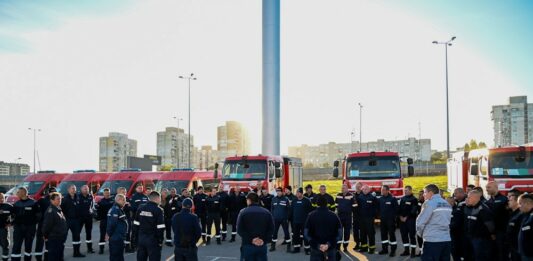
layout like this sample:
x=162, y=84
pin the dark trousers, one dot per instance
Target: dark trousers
x=203, y=222
x=436, y=251
x=55, y=247
x=368, y=233
x=233, y=220
x=4, y=242
x=317, y=255
x=388, y=232
x=213, y=219
x=298, y=235
x=116, y=250
x=458, y=245
x=148, y=249
x=39, y=241
x=127, y=241
x=186, y=254
x=22, y=233
x=285, y=226
x=481, y=249
x=87, y=222
x=103, y=228
x=168, y=229
x=408, y=232
x=356, y=230
x=74, y=227
x=224, y=215
x=254, y=253
x=346, y=222
x=499, y=247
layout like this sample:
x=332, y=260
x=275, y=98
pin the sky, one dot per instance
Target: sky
x=81, y=69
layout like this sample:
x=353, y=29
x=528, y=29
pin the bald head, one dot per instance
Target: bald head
x=473, y=198
x=365, y=189
x=492, y=188
x=459, y=194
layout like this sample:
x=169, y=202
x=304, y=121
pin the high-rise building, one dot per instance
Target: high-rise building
x=172, y=146
x=232, y=139
x=207, y=157
x=114, y=151
x=513, y=122
x=13, y=169
x=323, y=155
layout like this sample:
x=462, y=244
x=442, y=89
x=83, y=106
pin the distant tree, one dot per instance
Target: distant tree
x=437, y=156
x=466, y=147
x=308, y=165
x=473, y=144
x=482, y=145
x=167, y=167
x=326, y=165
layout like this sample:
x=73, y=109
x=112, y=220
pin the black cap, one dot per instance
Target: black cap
x=308, y=186
x=187, y=203
x=300, y=190
x=289, y=188
x=52, y=189
x=278, y=189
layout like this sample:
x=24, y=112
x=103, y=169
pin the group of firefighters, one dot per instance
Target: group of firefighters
x=471, y=226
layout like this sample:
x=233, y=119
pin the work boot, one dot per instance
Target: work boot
x=90, y=248
x=218, y=241
x=405, y=252
x=363, y=249
x=27, y=258
x=392, y=251
x=284, y=242
x=296, y=250
x=224, y=237
x=204, y=239
x=232, y=238
x=345, y=246
x=208, y=242
x=413, y=252
x=77, y=251
x=45, y=256
x=167, y=243
x=288, y=247
x=38, y=258
x=272, y=247
x=101, y=252
x=371, y=250
x=307, y=251
x=384, y=250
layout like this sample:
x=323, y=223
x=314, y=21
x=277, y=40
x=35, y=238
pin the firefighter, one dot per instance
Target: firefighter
x=70, y=206
x=129, y=217
x=148, y=229
x=43, y=203
x=368, y=209
x=26, y=213
x=236, y=202
x=117, y=229
x=407, y=211
x=300, y=208
x=310, y=194
x=345, y=203
x=55, y=228
x=497, y=203
x=138, y=198
x=525, y=234
x=213, y=208
x=102, y=208
x=513, y=226
x=289, y=194
x=223, y=212
x=419, y=239
x=199, y=200
x=266, y=199
x=86, y=209
x=329, y=198
x=388, y=210
x=187, y=231
x=479, y=226
x=255, y=226
x=457, y=224
x=6, y=210
x=171, y=208
x=280, y=212
x=323, y=230
x=355, y=217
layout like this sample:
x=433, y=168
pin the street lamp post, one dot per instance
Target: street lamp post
x=446, y=44
x=360, y=127
x=34, y=145
x=189, y=78
x=177, y=141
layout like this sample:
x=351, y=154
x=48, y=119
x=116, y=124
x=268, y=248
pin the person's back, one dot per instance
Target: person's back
x=323, y=230
x=255, y=225
x=187, y=231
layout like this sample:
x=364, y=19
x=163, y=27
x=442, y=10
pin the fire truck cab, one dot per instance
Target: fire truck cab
x=36, y=184
x=510, y=167
x=79, y=178
x=189, y=180
x=373, y=169
x=256, y=172
x=129, y=179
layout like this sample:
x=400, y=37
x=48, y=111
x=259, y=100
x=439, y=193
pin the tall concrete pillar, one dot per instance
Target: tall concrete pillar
x=271, y=71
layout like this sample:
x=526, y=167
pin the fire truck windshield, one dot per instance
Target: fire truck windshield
x=64, y=185
x=377, y=168
x=249, y=170
x=113, y=185
x=32, y=187
x=170, y=184
x=508, y=164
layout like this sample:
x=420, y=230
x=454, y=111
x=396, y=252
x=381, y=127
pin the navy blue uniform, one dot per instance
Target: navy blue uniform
x=54, y=229
x=498, y=206
x=236, y=202
x=86, y=209
x=457, y=231
x=70, y=207
x=368, y=209
x=280, y=212
x=525, y=237
x=311, y=196
x=511, y=235
x=224, y=213
x=148, y=230
x=26, y=214
x=117, y=229
x=214, y=208
x=187, y=231
x=408, y=208
x=356, y=223
x=329, y=199
x=129, y=216
x=254, y=222
x=388, y=211
x=43, y=203
x=479, y=227
x=5, y=219
x=102, y=208
x=345, y=204
x=200, y=210
x=172, y=207
x=299, y=210
x=266, y=201
x=323, y=227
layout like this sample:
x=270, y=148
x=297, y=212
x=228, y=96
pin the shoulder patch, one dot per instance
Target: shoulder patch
x=49, y=210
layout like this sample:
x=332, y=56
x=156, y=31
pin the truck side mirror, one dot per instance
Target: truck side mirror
x=336, y=169
x=410, y=171
x=409, y=161
x=277, y=165
x=215, y=174
x=474, y=170
x=278, y=173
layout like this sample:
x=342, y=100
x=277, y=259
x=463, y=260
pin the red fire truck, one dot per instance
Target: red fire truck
x=510, y=167
x=255, y=172
x=36, y=184
x=373, y=169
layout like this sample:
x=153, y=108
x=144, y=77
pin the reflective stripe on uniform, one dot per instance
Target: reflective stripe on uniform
x=88, y=241
x=16, y=255
x=413, y=246
x=393, y=243
x=406, y=245
x=76, y=242
x=101, y=244
x=385, y=242
x=161, y=226
x=168, y=241
x=135, y=222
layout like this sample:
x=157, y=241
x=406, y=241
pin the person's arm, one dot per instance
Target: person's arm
x=240, y=226
x=423, y=218
x=37, y=210
x=135, y=228
x=197, y=229
x=488, y=221
x=307, y=229
x=339, y=232
x=112, y=220
x=414, y=207
x=160, y=226
x=48, y=223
